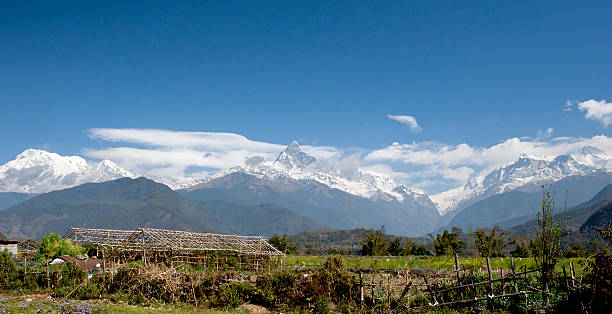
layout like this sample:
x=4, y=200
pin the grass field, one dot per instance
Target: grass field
x=427, y=262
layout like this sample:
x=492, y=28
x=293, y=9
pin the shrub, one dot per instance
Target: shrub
x=7, y=271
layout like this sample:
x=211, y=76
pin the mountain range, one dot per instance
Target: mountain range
x=132, y=203
x=322, y=195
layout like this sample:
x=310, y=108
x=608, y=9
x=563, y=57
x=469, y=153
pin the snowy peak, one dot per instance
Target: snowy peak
x=533, y=170
x=293, y=157
x=39, y=171
x=594, y=157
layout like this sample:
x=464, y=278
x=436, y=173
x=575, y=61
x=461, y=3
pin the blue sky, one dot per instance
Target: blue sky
x=322, y=73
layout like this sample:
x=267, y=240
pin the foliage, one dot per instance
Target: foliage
x=447, y=243
x=72, y=277
x=490, y=245
x=606, y=231
x=378, y=243
x=375, y=243
x=52, y=246
x=521, y=249
x=547, y=245
x=575, y=250
x=321, y=306
x=7, y=271
x=283, y=244
x=395, y=247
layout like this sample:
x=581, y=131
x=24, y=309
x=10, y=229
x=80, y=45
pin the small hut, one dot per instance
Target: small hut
x=9, y=246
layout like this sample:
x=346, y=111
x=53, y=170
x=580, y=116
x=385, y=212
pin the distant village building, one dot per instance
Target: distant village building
x=9, y=246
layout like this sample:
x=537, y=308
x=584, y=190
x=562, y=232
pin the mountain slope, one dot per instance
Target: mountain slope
x=121, y=204
x=8, y=199
x=576, y=217
x=312, y=199
x=263, y=219
x=599, y=219
x=521, y=205
x=131, y=203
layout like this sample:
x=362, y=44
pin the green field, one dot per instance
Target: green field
x=428, y=262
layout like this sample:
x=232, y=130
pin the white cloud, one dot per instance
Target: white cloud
x=407, y=120
x=597, y=110
x=171, y=153
x=431, y=160
x=545, y=134
x=419, y=164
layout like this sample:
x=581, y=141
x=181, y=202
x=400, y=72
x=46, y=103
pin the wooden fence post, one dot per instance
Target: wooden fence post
x=513, y=274
x=573, y=274
x=490, y=301
x=458, y=275
x=361, y=289
x=501, y=274
x=48, y=282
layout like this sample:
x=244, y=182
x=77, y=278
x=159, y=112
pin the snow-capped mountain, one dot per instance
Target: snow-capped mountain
x=527, y=170
x=293, y=163
x=38, y=171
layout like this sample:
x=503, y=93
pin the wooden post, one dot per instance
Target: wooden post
x=144, y=258
x=513, y=274
x=501, y=274
x=389, y=292
x=48, y=282
x=373, y=299
x=361, y=289
x=429, y=288
x=458, y=275
x=103, y=263
x=573, y=274
x=25, y=267
x=490, y=301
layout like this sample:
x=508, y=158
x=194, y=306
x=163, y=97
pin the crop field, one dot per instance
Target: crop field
x=399, y=262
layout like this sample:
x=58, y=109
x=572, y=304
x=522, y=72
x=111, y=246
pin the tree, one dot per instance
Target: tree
x=283, y=244
x=52, y=246
x=374, y=243
x=547, y=246
x=395, y=247
x=447, y=243
x=521, y=249
x=7, y=271
x=490, y=245
x=575, y=250
x=419, y=250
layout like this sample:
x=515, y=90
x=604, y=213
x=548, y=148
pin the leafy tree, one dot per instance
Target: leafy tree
x=447, y=243
x=395, y=247
x=375, y=243
x=596, y=246
x=7, y=271
x=521, y=249
x=490, y=245
x=283, y=244
x=419, y=250
x=547, y=246
x=575, y=250
x=52, y=246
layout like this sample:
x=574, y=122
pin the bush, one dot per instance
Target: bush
x=321, y=306
x=8, y=272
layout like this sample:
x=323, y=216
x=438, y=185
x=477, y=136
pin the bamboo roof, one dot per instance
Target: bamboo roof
x=160, y=239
